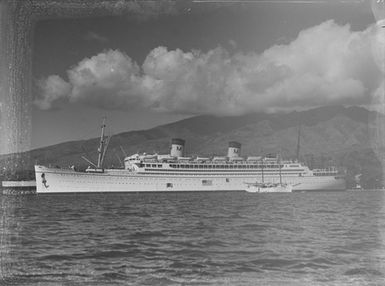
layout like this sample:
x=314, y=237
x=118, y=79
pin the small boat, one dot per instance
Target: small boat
x=268, y=188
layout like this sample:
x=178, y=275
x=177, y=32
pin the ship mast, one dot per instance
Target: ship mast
x=298, y=141
x=280, y=171
x=101, y=145
x=262, y=171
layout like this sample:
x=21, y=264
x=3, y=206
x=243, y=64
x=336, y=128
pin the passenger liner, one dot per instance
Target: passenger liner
x=175, y=172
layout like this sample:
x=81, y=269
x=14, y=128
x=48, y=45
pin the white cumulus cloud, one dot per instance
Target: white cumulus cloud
x=53, y=88
x=326, y=64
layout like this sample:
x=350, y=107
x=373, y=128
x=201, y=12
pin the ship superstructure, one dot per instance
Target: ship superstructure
x=177, y=172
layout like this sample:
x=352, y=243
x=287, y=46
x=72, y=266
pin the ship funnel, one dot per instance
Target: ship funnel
x=177, y=147
x=234, y=149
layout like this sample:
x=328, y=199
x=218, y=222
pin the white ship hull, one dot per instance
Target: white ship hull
x=55, y=180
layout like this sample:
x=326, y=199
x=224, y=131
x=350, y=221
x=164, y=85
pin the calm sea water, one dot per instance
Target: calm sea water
x=224, y=238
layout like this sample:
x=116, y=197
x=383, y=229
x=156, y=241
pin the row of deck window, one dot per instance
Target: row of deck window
x=214, y=173
x=207, y=166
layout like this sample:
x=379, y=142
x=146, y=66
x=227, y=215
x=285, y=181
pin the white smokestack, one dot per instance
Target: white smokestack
x=234, y=149
x=177, y=147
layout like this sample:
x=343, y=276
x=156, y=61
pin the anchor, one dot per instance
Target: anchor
x=44, y=181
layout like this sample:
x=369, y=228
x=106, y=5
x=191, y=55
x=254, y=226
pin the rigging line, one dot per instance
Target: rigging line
x=124, y=152
x=89, y=161
x=118, y=140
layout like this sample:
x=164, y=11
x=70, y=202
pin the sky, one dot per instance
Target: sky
x=157, y=65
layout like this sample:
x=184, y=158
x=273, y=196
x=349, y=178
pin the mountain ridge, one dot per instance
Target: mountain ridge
x=206, y=124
